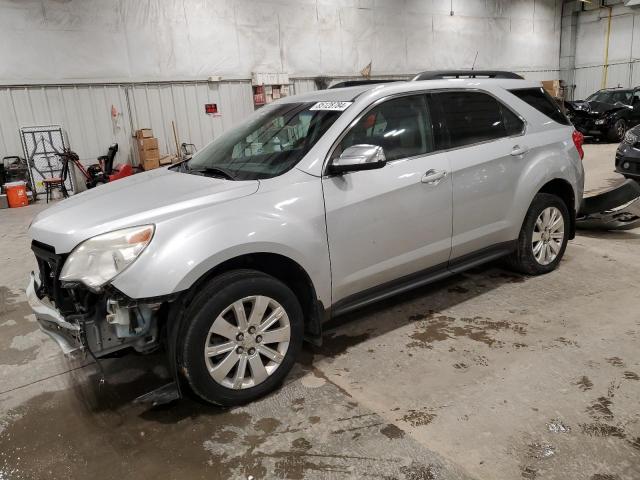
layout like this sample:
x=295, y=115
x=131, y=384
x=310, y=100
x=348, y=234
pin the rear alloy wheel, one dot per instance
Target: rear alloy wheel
x=242, y=333
x=543, y=236
x=548, y=236
x=617, y=131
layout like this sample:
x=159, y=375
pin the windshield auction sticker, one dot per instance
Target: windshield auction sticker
x=333, y=106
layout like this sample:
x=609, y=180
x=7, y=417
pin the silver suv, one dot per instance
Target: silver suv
x=316, y=205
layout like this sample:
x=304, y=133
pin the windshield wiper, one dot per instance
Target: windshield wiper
x=213, y=171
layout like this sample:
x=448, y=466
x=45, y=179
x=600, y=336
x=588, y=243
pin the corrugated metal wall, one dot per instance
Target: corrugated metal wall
x=84, y=111
x=303, y=85
x=586, y=32
x=158, y=105
x=589, y=79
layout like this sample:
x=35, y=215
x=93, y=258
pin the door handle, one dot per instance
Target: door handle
x=519, y=150
x=433, y=177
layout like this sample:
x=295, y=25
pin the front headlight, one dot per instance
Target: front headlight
x=630, y=138
x=98, y=260
x=600, y=121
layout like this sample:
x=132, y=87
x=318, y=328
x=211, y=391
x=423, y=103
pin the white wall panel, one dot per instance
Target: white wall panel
x=44, y=41
x=624, y=50
x=83, y=111
x=588, y=80
x=635, y=73
x=156, y=106
x=619, y=75
x=303, y=85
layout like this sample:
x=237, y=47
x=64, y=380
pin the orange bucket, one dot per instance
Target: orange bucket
x=16, y=194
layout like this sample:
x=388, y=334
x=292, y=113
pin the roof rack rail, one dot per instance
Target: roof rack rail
x=357, y=83
x=444, y=74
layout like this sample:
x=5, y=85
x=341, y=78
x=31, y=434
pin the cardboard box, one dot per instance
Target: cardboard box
x=150, y=164
x=167, y=159
x=148, y=143
x=144, y=133
x=553, y=87
x=151, y=154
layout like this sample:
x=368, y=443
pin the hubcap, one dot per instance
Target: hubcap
x=621, y=130
x=247, y=342
x=548, y=236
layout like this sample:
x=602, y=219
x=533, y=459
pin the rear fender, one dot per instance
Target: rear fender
x=545, y=165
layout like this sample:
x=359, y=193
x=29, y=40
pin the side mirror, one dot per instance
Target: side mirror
x=359, y=157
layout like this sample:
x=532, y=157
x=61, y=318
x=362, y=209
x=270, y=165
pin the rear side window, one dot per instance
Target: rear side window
x=541, y=101
x=512, y=123
x=401, y=126
x=473, y=117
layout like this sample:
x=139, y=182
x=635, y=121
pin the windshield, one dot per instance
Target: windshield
x=269, y=143
x=612, y=97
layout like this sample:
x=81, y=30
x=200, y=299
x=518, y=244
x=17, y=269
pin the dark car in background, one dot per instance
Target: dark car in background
x=606, y=114
x=628, y=155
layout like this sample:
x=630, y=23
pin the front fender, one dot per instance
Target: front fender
x=285, y=217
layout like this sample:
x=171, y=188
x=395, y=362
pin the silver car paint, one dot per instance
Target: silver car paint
x=285, y=217
x=202, y=222
x=385, y=224
x=149, y=197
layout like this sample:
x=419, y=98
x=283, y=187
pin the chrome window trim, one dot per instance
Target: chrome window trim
x=334, y=145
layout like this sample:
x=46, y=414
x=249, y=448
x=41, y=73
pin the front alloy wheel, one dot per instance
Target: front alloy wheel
x=240, y=337
x=247, y=342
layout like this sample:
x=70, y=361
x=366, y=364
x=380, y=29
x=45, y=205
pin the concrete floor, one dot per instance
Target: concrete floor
x=488, y=375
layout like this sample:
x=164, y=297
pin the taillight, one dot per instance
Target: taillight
x=578, y=141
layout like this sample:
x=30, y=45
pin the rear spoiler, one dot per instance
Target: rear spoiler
x=444, y=74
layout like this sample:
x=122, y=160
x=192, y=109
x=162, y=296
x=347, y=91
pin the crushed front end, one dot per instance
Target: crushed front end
x=590, y=122
x=80, y=319
x=593, y=118
x=586, y=124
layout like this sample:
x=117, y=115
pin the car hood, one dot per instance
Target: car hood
x=136, y=200
x=593, y=108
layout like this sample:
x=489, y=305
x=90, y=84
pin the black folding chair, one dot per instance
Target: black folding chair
x=57, y=183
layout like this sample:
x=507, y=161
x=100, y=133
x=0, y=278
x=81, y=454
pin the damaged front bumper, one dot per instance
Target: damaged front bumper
x=590, y=125
x=109, y=324
x=51, y=321
x=616, y=209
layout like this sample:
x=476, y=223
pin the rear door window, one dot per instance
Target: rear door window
x=541, y=101
x=474, y=117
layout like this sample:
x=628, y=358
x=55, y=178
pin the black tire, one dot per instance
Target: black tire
x=214, y=297
x=617, y=131
x=523, y=259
